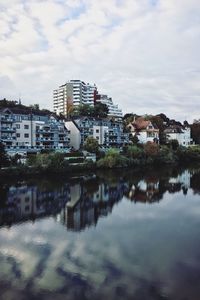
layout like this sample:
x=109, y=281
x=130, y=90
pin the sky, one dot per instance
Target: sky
x=142, y=53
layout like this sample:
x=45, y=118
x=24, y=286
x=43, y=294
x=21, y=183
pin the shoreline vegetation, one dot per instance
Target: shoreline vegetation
x=134, y=157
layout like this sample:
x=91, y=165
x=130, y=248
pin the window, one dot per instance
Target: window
x=18, y=135
x=27, y=208
x=26, y=135
x=97, y=130
x=17, y=126
x=26, y=126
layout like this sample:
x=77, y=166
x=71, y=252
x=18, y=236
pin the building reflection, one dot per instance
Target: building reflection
x=85, y=208
x=79, y=204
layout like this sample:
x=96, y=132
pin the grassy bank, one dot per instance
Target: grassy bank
x=134, y=157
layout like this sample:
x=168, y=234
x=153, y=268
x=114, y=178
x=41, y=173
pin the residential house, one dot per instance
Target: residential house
x=180, y=133
x=144, y=130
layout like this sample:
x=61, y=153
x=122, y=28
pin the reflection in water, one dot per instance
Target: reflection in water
x=81, y=203
x=138, y=237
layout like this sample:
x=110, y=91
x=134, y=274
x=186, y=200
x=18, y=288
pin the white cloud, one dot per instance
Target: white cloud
x=145, y=54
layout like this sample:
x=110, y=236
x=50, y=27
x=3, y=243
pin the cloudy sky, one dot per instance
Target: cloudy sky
x=143, y=53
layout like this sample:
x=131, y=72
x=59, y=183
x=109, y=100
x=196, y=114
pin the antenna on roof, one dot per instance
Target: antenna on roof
x=20, y=102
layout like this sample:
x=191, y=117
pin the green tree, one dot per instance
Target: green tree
x=3, y=156
x=173, y=144
x=113, y=159
x=100, y=110
x=91, y=145
x=134, y=152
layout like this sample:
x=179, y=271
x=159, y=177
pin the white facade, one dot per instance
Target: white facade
x=26, y=132
x=99, y=133
x=73, y=93
x=183, y=136
x=145, y=137
x=74, y=135
x=144, y=131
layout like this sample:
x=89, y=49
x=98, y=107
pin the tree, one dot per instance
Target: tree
x=113, y=159
x=35, y=106
x=151, y=149
x=195, y=131
x=84, y=110
x=134, y=151
x=100, y=110
x=174, y=144
x=91, y=145
x=3, y=156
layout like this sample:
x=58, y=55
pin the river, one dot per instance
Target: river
x=107, y=235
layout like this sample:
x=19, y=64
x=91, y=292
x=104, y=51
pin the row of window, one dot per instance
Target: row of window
x=25, y=126
x=26, y=135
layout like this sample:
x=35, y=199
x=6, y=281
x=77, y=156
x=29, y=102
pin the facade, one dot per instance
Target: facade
x=180, y=133
x=20, y=129
x=72, y=93
x=144, y=130
x=107, y=132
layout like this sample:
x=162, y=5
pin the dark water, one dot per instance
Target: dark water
x=102, y=236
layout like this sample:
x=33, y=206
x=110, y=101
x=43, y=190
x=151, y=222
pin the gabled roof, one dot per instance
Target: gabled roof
x=174, y=129
x=141, y=124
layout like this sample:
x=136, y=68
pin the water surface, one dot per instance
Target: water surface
x=102, y=236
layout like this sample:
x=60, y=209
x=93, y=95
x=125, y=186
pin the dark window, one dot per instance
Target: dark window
x=18, y=126
x=97, y=130
x=26, y=135
x=27, y=208
x=26, y=126
x=18, y=135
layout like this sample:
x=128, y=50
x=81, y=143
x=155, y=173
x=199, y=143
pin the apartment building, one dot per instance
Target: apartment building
x=24, y=129
x=72, y=93
x=108, y=133
x=76, y=92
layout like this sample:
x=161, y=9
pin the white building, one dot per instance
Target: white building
x=180, y=133
x=113, y=109
x=73, y=93
x=144, y=130
x=76, y=92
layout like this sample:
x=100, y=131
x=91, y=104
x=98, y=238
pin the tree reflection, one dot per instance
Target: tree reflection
x=80, y=202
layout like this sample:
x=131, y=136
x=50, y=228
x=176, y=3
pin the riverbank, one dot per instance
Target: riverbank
x=132, y=157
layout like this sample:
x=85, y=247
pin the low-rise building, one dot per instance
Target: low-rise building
x=180, y=133
x=144, y=130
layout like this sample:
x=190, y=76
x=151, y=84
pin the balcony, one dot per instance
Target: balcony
x=8, y=138
x=8, y=129
x=45, y=140
x=7, y=119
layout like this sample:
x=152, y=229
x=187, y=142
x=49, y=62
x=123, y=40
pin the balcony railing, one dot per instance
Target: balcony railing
x=7, y=119
x=8, y=129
